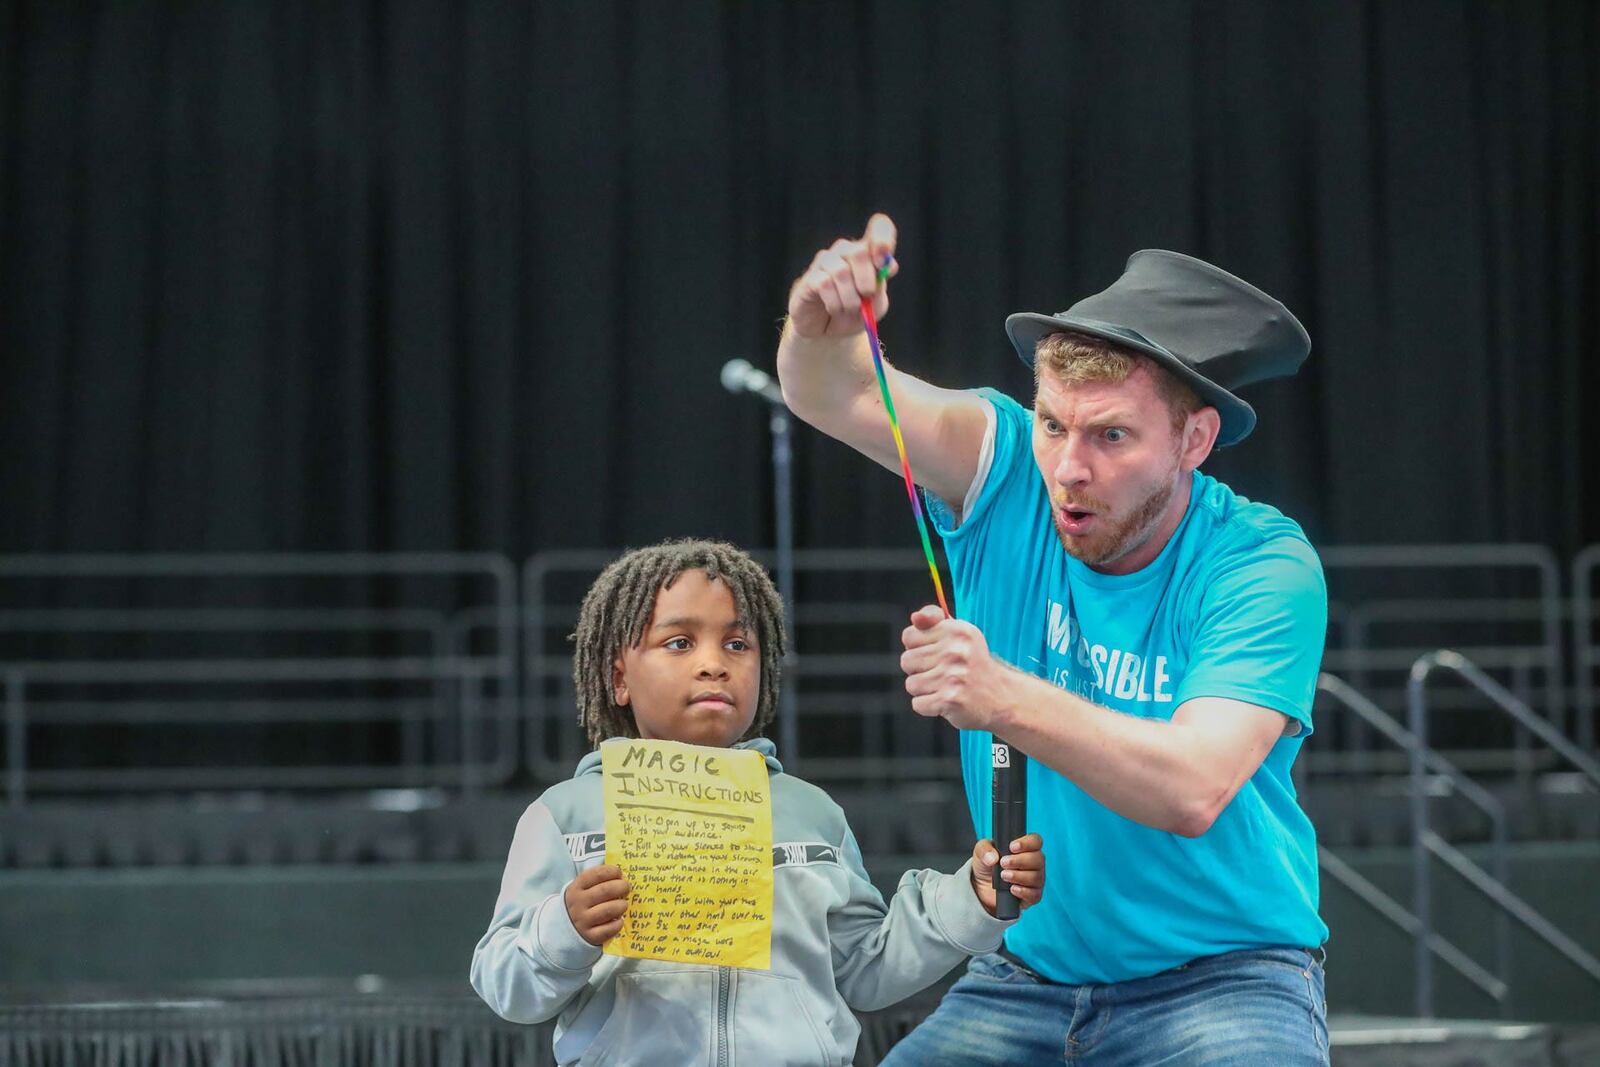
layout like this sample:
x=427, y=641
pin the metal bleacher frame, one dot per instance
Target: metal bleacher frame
x=1492, y=985
x=1425, y=843
x=1585, y=649
x=454, y=678
x=494, y=674
x=1534, y=670
x=1427, y=769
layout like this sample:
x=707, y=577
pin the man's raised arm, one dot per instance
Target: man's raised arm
x=825, y=368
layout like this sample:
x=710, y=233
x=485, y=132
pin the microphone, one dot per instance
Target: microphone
x=1008, y=819
x=738, y=376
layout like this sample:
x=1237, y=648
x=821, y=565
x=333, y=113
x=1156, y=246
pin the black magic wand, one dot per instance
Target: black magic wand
x=1008, y=818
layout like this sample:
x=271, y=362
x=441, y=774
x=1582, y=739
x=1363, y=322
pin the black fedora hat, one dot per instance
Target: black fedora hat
x=1214, y=331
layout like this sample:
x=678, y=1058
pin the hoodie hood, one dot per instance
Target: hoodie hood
x=590, y=764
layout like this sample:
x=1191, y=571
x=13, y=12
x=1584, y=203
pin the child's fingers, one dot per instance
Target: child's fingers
x=1030, y=878
x=1023, y=869
x=1027, y=896
x=611, y=889
x=615, y=889
x=607, y=911
x=1024, y=861
x=984, y=857
x=598, y=923
x=592, y=876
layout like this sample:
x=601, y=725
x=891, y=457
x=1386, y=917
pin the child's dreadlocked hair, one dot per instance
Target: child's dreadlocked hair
x=618, y=606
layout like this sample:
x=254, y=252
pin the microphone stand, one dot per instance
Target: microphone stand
x=783, y=521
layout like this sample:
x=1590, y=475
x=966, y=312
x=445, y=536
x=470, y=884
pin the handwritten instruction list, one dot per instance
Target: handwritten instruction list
x=691, y=828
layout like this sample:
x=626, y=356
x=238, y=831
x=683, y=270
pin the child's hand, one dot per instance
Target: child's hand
x=596, y=901
x=1023, y=868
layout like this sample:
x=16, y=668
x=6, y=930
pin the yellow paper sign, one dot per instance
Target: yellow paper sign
x=691, y=828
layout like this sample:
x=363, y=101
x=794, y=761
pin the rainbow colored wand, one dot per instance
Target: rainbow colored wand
x=1008, y=774
x=871, y=320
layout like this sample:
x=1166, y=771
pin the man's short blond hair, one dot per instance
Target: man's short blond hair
x=1078, y=358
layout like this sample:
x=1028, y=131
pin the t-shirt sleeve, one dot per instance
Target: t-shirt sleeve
x=964, y=534
x=1259, y=635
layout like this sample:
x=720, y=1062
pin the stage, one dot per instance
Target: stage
x=372, y=1023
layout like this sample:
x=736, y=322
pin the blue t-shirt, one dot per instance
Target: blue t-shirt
x=1234, y=606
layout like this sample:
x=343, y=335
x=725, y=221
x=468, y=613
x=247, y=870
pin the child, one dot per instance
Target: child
x=681, y=641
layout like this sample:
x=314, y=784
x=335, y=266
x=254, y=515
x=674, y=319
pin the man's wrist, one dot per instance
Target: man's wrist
x=1010, y=687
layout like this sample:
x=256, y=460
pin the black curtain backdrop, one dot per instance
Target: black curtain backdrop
x=308, y=275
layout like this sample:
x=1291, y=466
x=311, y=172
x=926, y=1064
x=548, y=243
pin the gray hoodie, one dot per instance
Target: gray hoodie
x=835, y=944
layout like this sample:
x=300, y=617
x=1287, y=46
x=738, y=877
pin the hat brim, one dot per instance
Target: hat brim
x=1027, y=328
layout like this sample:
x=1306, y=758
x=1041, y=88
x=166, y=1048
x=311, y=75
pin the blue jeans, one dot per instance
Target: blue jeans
x=1252, y=1007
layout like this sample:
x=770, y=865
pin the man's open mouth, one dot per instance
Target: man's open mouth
x=1074, y=520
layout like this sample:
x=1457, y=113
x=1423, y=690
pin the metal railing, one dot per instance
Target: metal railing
x=1425, y=842
x=1527, y=645
x=1391, y=911
x=464, y=698
x=1494, y=985
x=466, y=673
x=455, y=689
x=1585, y=651
x=431, y=626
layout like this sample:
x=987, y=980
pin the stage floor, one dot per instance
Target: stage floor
x=1381, y=1041
x=373, y=1023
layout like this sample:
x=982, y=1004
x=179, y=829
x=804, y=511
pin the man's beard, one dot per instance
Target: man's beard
x=1110, y=545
